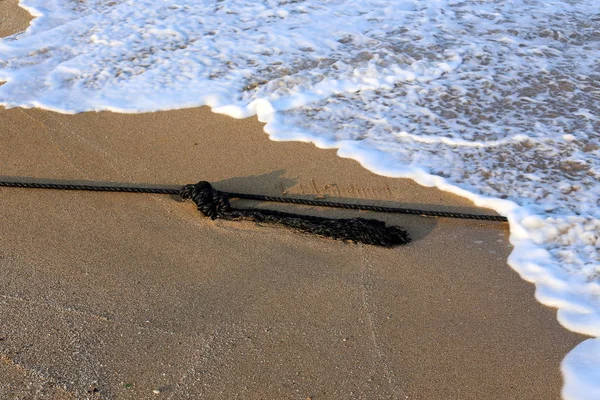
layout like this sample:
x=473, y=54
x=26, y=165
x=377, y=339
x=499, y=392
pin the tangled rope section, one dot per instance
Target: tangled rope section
x=215, y=204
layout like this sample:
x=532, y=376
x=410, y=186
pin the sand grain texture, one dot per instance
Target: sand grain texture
x=13, y=19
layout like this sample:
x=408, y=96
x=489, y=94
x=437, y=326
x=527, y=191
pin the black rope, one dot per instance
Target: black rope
x=258, y=197
x=215, y=204
x=366, y=207
x=94, y=188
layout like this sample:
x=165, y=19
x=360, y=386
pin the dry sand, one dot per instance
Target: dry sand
x=128, y=296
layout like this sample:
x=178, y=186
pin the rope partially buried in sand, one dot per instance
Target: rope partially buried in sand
x=215, y=204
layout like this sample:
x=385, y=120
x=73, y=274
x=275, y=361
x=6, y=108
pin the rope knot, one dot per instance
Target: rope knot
x=210, y=202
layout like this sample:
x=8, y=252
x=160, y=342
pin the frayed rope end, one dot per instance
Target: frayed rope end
x=215, y=204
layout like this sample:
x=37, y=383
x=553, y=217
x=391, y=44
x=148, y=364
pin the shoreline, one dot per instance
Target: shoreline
x=414, y=332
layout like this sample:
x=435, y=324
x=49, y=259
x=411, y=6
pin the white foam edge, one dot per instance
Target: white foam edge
x=553, y=287
x=38, y=17
x=581, y=373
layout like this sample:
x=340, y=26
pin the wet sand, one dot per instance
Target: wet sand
x=135, y=296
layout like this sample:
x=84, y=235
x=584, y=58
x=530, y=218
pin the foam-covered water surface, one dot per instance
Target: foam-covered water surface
x=497, y=101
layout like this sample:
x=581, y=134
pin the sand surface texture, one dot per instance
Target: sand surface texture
x=133, y=296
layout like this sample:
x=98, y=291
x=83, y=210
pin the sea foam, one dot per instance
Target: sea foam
x=497, y=101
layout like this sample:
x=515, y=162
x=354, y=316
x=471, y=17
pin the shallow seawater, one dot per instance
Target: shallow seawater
x=498, y=101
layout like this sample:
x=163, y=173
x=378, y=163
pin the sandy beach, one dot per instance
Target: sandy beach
x=134, y=296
